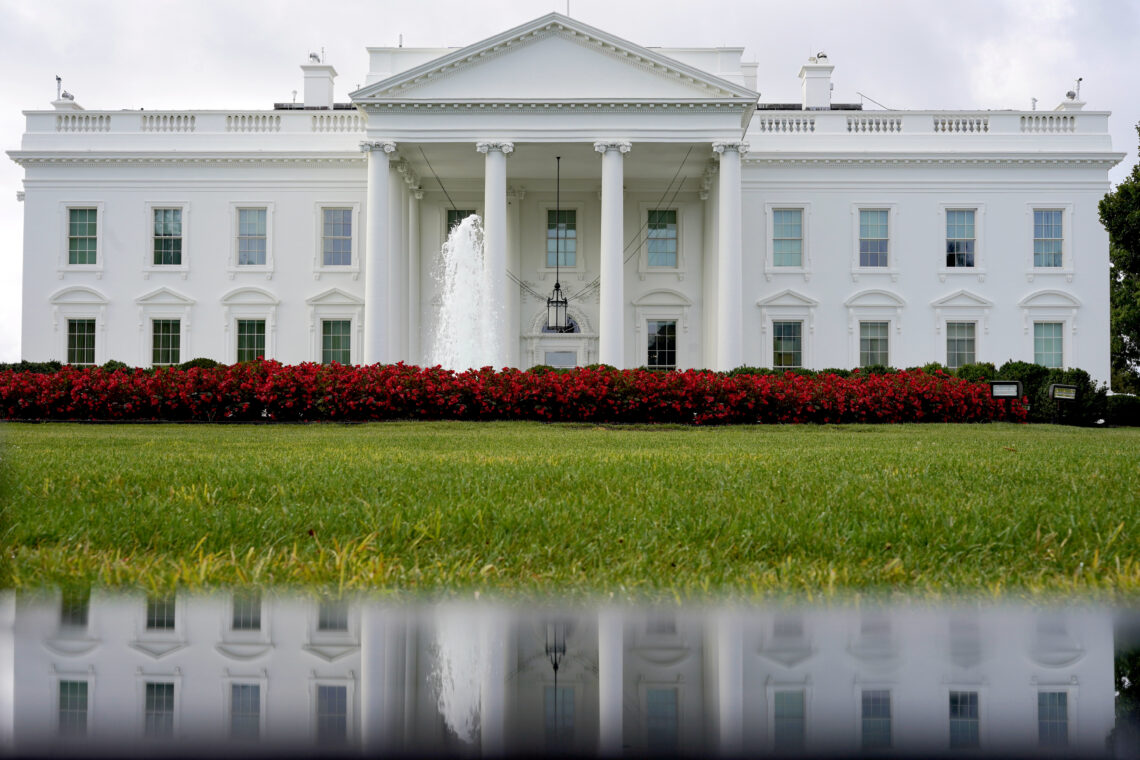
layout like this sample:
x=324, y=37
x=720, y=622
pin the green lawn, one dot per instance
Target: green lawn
x=519, y=508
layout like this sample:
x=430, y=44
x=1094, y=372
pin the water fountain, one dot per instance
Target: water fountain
x=466, y=334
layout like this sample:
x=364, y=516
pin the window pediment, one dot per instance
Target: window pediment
x=334, y=297
x=962, y=299
x=78, y=295
x=164, y=297
x=786, y=298
x=663, y=297
x=875, y=298
x=250, y=297
x=1049, y=299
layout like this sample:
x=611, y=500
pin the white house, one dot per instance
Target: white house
x=242, y=673
x=700, y=226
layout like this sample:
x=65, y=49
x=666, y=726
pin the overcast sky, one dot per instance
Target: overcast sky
x=153, y=54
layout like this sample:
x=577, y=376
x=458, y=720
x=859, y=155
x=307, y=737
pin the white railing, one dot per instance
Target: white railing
x=1048, y=123
x=786, y=124
x=969, y=125
x=874, y=124
x=253, y=122
x=168, y=122
x=83, y=122
x=338, y=122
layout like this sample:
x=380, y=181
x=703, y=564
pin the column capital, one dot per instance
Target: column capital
x=620, y=145
x=367, y=146
x=721, y=146
x=502, y=146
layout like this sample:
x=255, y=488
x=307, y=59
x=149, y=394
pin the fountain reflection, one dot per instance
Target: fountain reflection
x=243, y=671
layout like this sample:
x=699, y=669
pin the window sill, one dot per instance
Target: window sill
x=66, y=269
x=578, y=271
x=945, y=272
x=771, y=271
x=350, y=269
x=1030, y=274
x=266, y=270
x=180, y=269
x=857, y=272
x=645, y=271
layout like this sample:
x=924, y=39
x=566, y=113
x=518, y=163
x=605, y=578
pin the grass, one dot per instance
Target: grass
x=521, y=508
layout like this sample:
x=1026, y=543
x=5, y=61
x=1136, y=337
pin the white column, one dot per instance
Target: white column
x=415, y=347
x=729, y=638
x=396, y=315
x=611, y=679
x=611, y=322
x=493, y=689
x=495, y=241
x=730, y=317
x=514, y=260
x=376, y=344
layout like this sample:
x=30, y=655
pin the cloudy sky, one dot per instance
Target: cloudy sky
x=154, y=54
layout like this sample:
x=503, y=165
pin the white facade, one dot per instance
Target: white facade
x=458, y=679
x=792, y=235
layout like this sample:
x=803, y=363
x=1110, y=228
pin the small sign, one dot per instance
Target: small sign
x=1005, y=389
x=1059, y=392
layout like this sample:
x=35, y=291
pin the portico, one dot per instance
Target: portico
x=639, y=134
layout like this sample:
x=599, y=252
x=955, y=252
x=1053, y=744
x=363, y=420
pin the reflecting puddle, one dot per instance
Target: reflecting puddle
x=88, y=674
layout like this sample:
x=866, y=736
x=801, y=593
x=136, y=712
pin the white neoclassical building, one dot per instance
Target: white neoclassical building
x=699, y=226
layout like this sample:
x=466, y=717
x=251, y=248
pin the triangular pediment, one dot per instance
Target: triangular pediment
x=1045, y=299
x=164, y=297
x=788, y=298
x=334, y=297
x=962, y=299
x=554, y=58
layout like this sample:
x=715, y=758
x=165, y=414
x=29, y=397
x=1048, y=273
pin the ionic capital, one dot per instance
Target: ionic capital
x=620, y=145
x=721, y=146
x=367, y=146
x=504, y=147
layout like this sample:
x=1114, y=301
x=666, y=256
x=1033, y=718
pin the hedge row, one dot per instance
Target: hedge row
x=267, y=390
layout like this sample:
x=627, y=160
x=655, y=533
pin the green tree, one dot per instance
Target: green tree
x=1120, y=214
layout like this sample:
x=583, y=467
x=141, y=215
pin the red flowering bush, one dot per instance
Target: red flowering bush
x=303, y=392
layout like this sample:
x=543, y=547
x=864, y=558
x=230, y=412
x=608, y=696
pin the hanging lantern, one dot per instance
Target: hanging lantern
x=557, y=320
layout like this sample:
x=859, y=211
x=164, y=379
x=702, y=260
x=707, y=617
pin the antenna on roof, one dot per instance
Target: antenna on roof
x=322, y=53
x=401, y=41
x=58, y=85
x=868, y=97
x=1079, y=80
x=294, y=96
x=1034, y=103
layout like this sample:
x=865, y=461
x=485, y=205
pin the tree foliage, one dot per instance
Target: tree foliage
x=1120, y=214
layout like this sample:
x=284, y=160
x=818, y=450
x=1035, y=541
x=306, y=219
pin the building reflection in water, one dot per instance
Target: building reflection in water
x=84, y=674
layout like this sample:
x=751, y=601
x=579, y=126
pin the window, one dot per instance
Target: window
x=336, y=237
x=1048, y=344
x=662, y=344
x=876, y=719
x=73, y=708
x=332, y=714
x=167, y=335
x=247, y=612
x=959, y=344
x=661, y=709
x=960, y=238
x=336, y=341
x=159, y=710
x=245, y=710
x=787, y=345
x=1048, y=238
x=662, y=238
x=963, y=719
x=873, y=237
x=457, y=215
x=81, y=341
x=561, y=224
x=73, y=608
x=251, y=241
x=250, y=339
x=160, y=613
x=82, y=236
x=788, y=720
x=874, y=344
x=332, y=616
x=1053, y=718
x=559, y=712
x=168, y=237
x=561, y=358
x=787, y=237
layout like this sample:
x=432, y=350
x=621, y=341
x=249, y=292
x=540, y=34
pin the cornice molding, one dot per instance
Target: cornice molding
x=37, y=158
x=628, y=105
x=943, y=159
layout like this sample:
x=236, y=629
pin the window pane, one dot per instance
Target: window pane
x=787, y=345
x=167, y=336
x=160, y=613
x=81, y=341
x=167, y=236
x=159, y=710
x=1048, y=344
x=960, y=238
x=336, y=237
x=245, y=711
x=332, y=714
x=959, y=344
x=74, y=607
x=561, y=358
x=73, y=708
x=963, y=719
x=874, y=343
x=336, y=341
x=457, y=215
x=1053, y=718
x=788, y=720
x=873, y=238
x=332, y=616
x=561, y=225
x=662, y=344
x=82, y=229
x=247, y=611
x=251, y=236
x=662, y=238
x=787, y=237
x=661, y=721
x=1048, y=238
x=250, y=339
x=876, y=719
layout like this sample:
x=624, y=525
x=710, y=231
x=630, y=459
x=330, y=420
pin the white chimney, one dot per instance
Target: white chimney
x=815, y=76
x=318, y=85
x=1070, y=103
x=66, y=102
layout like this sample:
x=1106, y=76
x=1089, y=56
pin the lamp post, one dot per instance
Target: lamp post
x=555, y=651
